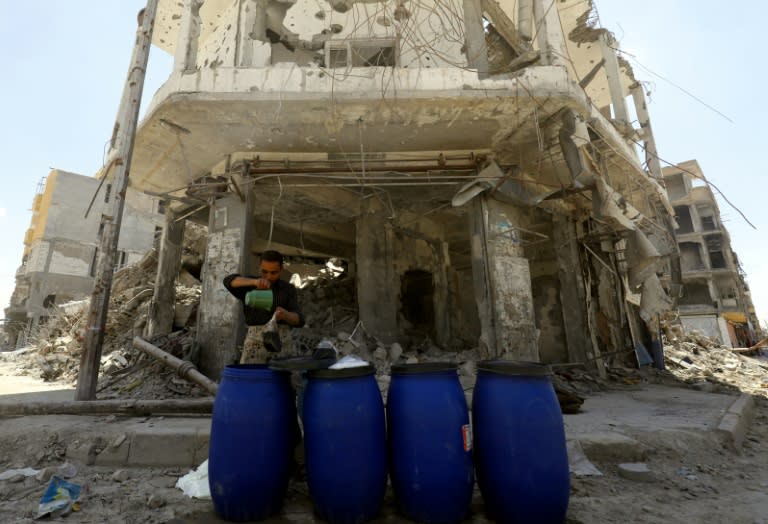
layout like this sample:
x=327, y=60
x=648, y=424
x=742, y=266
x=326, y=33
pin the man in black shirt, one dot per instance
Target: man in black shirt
x=285, y=306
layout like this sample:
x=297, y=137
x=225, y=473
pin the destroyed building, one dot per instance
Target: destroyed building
x=60, y=245
x=715, y=299
x=473, y=163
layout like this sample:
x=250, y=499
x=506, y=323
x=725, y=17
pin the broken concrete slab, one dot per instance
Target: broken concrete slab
x=736, y=421
x=637, y=471
x=609, y=446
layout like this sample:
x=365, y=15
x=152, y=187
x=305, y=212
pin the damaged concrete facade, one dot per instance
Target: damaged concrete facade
x=472, y=161
x=715, y=298
x=60, y=246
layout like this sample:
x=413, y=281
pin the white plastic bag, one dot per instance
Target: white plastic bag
x=195, y=483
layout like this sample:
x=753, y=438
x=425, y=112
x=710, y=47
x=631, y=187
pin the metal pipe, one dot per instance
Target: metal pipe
x=184, y=369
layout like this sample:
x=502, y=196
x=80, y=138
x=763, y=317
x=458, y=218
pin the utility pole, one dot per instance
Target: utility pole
x=120, y=152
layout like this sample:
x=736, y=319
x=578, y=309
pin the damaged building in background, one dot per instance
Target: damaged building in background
x=715, y=300
x=473, y=163
x=60, y=245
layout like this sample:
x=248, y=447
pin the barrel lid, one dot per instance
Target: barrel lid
x=300, y=363
x=422, y=367
x=359, y=371
x=515, y=367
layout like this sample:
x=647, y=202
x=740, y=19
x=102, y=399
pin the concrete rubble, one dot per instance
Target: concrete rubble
x=480, y=197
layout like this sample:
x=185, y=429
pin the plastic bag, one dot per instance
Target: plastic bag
x=59, y=498
x=271, y=337
x=195, y=483
x=350, y=361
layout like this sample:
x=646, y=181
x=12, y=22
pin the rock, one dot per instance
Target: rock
x=395, y=350
x=412, y=360
x=186, y=279
x=380, y=354
x=163, y=481
x=606, y=446
x=155, y=501
x=67, y=470
x=118, y=441
x=45, y=474
x=121, y=475
x=468, y=369
x=637, y=471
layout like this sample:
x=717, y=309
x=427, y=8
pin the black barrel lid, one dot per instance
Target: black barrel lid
x=300, y=363
x=359, y=371
x=515, y=367
x=422, y=367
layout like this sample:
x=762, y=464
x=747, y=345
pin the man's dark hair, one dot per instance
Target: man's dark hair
x=272, y=256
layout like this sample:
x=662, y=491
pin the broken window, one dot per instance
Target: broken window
x=708, y=223
x=696, y=294
x=690, y=257
x=361, y=53
x=683, y=216
x=675, y=186
x=715, y=250
x=49, y=301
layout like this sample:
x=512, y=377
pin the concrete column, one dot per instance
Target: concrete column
x=477, y=52
x=377, y=284
x=607, y=43
x=252, y=32
x=525, y=20
x=549, y=33
x=572, y=292
x=641, y=108
x=220, y=325
x=185, y=59
x=502, y=282
x=161, y=312
x=440, y=297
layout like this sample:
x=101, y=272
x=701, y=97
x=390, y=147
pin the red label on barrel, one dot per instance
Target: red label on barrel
x=466, y=434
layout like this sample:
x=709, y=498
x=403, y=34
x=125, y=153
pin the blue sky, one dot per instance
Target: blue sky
x=66, y=62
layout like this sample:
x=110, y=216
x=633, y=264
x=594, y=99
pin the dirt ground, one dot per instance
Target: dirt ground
x=697, y=480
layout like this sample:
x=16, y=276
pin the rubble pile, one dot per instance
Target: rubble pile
x=704, y=364
x=55, y=349
x=329, y=303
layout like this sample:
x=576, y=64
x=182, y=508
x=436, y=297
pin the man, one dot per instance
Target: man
x=285, y=307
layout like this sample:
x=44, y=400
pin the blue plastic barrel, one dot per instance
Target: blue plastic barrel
x=430, y=443
x=253, y=435
x=345, y=444
x=520, y=451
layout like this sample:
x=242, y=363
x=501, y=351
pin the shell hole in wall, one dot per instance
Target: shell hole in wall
x=416, y=300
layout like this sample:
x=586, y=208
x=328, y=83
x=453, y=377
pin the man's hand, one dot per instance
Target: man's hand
x=286, y=316
x=262, y=283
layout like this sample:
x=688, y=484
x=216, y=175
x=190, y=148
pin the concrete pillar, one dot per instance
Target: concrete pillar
x=440, y=297
x=525, y=20
x=607, y=43
x=185, y=59
x=161, y=312
x=252, y=32
x=220, y=324
x=377, y=283
x=549, y=33
x=572, y=292
x=641, y=109
x=502, y=282
x=477, y=52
